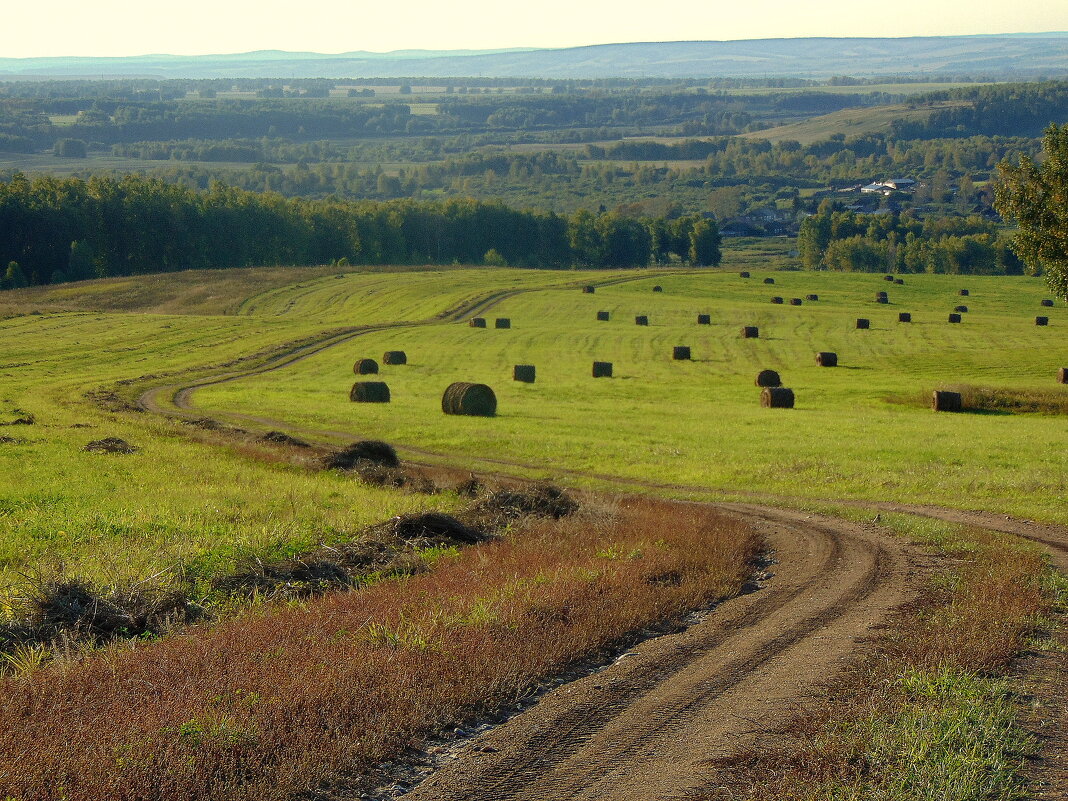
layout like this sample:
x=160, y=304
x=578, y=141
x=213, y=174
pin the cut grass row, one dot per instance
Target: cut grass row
x=282, y=701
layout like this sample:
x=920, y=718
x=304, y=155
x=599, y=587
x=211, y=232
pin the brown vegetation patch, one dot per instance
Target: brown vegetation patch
x=281, y=438
x=286, y=702
x=996, y=400
x=364, y=452
x=110, y=445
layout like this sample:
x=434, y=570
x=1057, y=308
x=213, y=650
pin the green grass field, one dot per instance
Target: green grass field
x=850, y=121
x=699, y=423
x=113, y=518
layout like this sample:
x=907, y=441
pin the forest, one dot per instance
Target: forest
x=57, y=230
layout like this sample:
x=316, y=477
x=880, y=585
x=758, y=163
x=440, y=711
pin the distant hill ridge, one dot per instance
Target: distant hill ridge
x=1002, y=56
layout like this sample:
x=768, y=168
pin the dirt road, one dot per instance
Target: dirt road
x=645, y=727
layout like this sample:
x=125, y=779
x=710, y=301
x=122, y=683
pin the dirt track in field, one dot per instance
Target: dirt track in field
x=648, y=726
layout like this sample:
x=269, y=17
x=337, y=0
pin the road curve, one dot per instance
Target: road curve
x=647, y=726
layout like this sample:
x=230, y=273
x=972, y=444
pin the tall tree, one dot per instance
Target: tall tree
x=1036, y=197
x=704, y=244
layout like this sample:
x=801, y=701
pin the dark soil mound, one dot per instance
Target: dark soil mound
x=110, y=445
x=364, y=453
x=280, y=438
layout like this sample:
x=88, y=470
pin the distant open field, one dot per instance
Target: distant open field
x=850, y=121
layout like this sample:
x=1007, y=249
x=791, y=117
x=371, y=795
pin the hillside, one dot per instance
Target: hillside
x=1002, y=56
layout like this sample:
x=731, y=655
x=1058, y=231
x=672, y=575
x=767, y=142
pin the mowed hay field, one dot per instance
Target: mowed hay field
x=859, y=430
x=112, y=518
x=166, y=508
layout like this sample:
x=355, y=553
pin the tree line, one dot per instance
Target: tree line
x=55, y=230
x=901, y=243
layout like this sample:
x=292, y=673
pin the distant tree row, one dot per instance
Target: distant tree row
x=900, y=243
x=56, y=230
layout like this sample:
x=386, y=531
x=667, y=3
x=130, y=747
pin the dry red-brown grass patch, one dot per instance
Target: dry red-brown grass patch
x=281, y=700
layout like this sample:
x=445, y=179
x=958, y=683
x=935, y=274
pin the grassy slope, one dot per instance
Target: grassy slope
x=117, y=517
x=699, y=423
x=850, y=121
x=63, y=508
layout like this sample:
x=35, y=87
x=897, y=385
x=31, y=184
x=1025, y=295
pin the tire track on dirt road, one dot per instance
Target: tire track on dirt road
x=647, y=726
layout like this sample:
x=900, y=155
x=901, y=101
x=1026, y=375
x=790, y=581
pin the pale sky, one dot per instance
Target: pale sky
x=193, y=27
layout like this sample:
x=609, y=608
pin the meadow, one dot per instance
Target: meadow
x=857, y=431
x=241, y=703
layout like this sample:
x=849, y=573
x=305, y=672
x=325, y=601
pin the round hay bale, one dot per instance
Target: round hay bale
x=603, y=316
x=942, y=401
x=768, y=378
x=899, y=281
x=795, y=301
x=1041, y=321
x=961, y=309
x=888, y=278
x=743, y=274
x=769, y=280
x=750, y=332
x=394, y=357
x=680, y=353
x=602, y=369
x=863, y=323
x=1062, y=375
x=524, y=373
x=641, y=319
x=365, y=367
x=658, y=288
x=812, y=297
x=369, y=392
x=475, y=400
x=826, y=358
x=882, y=299
x=904, y=317
x=963, y=293
x=589, y=289
x=502, y=322
x=954, y=318
x=777, y=398
x=704, y=319
x=1047, y=302
x=477, y=322
x=776, y=299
